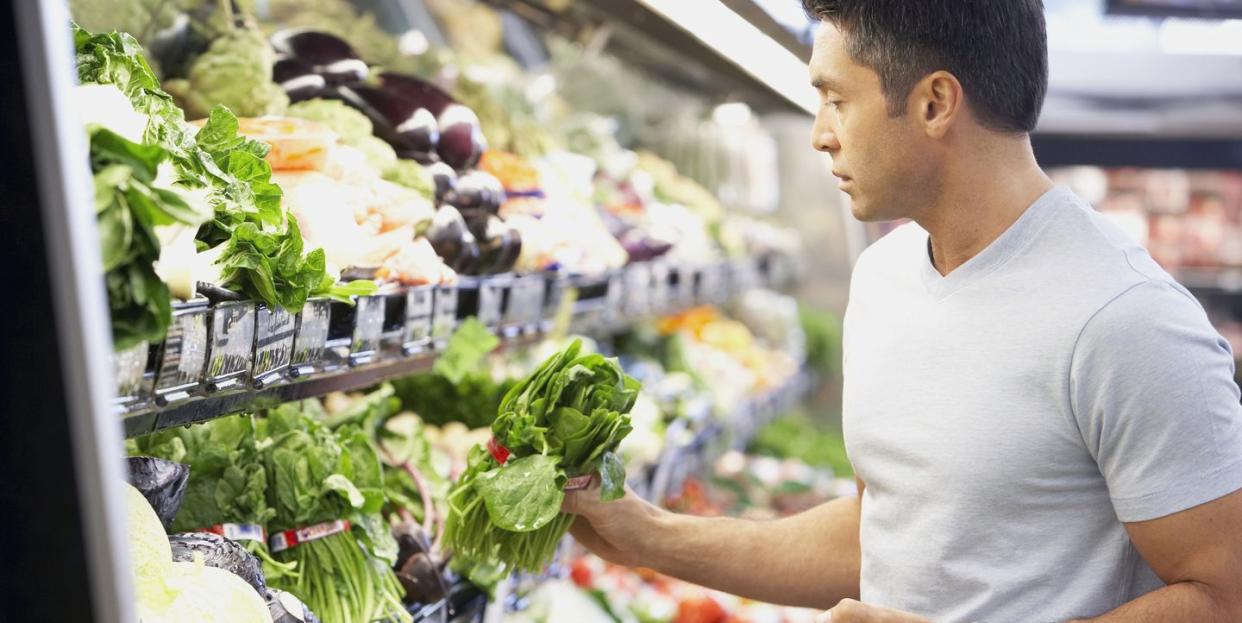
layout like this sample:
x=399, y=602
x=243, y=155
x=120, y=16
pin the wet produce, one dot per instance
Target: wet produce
x=563, y=421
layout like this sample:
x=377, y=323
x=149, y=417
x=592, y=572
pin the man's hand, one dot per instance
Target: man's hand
x=850, y=611
x=614, y=531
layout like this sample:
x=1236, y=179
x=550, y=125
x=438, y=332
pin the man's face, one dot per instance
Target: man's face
x=885, y=163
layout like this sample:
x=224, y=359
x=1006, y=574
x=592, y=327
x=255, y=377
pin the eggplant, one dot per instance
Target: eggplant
x=418, y=92
x=445, y=178
x=286, y=608
x=452, y=240
x=510, y=251
x=461, y=138
x=410, y=129
x=419, y=575
x=298, y=79
x=162, y=483
x=326, y=55
x=477, y=190
x=221, y=553
x=642, y=247
x=499, y=243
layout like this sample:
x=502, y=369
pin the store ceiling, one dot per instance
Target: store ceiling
x=1142, y=76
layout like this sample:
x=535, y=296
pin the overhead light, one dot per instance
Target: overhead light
x=743, y=44
x=1193, y=36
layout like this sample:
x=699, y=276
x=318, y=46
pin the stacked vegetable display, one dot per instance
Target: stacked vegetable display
x=200, y=203
x=564, y=421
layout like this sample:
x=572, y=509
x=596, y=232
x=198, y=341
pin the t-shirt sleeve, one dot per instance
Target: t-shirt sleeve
x=1153, y=393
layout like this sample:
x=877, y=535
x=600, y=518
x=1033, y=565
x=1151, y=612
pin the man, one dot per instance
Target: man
x=1043, y=423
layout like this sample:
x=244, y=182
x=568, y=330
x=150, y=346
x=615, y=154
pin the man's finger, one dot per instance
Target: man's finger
x=825, y=617
x=570, y=503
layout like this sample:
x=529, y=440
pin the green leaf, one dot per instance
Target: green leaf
x=522, y=495
x=343, y=486
x=470, y=343
x=612, y=477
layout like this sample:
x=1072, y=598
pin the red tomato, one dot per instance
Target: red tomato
x=580, y=573
x=700, y=610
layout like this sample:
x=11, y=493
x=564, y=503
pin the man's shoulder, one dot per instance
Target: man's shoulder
x=1086, y=256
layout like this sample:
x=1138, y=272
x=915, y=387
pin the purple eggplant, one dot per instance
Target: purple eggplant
x=499, y=243
x=461, y=138
x=419, y=92
x=477, y=190
x=445, y=178
x=326, y=55
x=410, y=129
x=298, y=79
x=451, y=238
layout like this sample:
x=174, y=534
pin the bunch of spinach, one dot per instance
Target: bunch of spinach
x=128, y=207
x=228, y=480
x=317, y=475
x=564, y=420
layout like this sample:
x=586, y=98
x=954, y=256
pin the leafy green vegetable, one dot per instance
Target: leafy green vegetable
x=460, y=387
x=566, y=419
x=228, y=480
x=523, y=495
x=128, y=207
x=412, y=175
x=317, y=475
x=470, y=343
x=797, y=436
x=236, y=71
x=349, y=124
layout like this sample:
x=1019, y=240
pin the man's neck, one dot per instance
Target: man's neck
x=978, y=202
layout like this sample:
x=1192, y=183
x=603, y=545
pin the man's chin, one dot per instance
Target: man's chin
x=862, y=212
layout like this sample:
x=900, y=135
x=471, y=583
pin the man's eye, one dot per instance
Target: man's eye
x=833, y=104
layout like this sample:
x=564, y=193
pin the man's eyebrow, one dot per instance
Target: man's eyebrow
x=824, y=82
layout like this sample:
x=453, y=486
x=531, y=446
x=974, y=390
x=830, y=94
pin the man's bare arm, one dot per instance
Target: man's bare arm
x=1198, y=554
x=811, y=559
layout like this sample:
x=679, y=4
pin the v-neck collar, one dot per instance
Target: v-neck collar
x=1009, y=243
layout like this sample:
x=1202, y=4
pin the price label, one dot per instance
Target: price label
x=745, y=275
x=232, y=344
x=637, y=289
x=614, y=306
x=368, y=327
x=419, y=310
x=184, y=354
x=491, y=300
x=444, y=317
x=130, y=368
x=525, y=304
x=311, y=337
x=273, y=343
x=661, y=297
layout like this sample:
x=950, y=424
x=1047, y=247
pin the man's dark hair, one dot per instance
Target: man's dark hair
x=997, y=49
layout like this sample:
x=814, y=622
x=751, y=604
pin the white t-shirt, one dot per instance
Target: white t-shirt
x=1007, y=418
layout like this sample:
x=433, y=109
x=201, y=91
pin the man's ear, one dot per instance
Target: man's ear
x=936, y=102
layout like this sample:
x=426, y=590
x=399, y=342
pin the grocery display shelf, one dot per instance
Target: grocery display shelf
x=697, y=441
x=232, y=356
